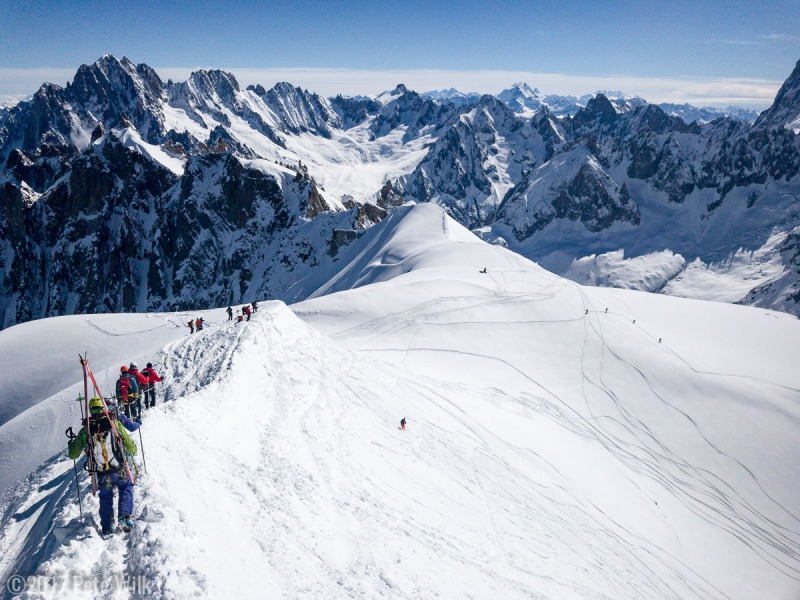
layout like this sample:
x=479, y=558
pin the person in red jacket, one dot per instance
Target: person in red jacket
x=143, y=382
x=127, y=390
x=153, y=378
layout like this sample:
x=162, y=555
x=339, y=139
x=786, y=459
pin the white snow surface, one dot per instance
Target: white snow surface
x=555, y=448
x=728, y=280
x=11, y=100
x=646, y=273
x=352, y=163
x=38, y=360
x=130, y=138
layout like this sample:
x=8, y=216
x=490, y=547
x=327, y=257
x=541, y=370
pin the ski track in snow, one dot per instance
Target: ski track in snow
x=657, y=460
x=620, y=432
x=283, y=479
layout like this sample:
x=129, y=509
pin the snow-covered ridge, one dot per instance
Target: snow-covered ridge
x=542, y=417
x=130, y=138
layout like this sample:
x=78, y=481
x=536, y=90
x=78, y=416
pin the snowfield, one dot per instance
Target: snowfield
x=563, y=441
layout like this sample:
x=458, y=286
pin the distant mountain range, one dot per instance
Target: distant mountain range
x=123, y=192
x=524, y=100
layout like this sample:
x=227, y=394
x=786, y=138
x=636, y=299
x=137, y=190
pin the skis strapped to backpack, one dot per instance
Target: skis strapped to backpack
x=116, y=442
x=116, y=413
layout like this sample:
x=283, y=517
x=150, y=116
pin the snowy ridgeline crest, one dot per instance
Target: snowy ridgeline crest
x=561, y=441
x=124, y=192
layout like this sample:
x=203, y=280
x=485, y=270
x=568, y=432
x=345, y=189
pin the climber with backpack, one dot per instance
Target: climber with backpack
x=106, y=443
x=230, y=313
x=127, y=392
x=152, y=378
x=143, y=383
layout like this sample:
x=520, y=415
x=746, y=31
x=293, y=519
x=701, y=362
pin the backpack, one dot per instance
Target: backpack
x=123, y=388
x=106, y=452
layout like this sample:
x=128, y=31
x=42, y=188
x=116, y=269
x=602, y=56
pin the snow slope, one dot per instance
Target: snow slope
x=727, y=280
x=555, y=449
x=39, y=363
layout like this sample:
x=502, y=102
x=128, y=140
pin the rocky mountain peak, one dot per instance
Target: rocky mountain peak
x=521, y=98
x=524, y=88
x=109, y=87
x=489, y=101
x=300, y=110
x=214, y=82
x=258, y=89
x=785, y=111
x=285, y=88
x=598, y=111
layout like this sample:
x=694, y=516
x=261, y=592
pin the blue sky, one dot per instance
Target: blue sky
x=362, y=45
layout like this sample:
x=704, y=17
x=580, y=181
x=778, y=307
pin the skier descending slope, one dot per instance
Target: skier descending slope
x=105, y=450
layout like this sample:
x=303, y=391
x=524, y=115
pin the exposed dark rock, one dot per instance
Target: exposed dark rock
x=341, y=237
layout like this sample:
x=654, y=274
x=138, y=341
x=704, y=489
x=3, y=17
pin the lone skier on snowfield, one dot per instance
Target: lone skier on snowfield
x=106, y=458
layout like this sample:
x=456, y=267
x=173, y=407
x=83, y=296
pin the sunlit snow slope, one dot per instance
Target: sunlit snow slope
x=555, y=447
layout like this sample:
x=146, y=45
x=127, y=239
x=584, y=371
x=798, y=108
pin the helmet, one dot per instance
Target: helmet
x=96, y=405
x=123, y=369
x=133, y=366
x=149, y=365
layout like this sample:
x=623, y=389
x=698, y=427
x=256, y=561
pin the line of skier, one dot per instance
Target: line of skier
x=246, y=311
x=108, y=446
x=104, y=436
x=196, y=323
x=242, y=314
x=134, y=386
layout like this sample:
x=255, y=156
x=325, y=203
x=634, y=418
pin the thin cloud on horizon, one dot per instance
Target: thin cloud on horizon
x=747, y=92
x=781, y=37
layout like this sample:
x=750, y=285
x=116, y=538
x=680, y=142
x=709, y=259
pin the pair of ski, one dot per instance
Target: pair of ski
x=92, y=461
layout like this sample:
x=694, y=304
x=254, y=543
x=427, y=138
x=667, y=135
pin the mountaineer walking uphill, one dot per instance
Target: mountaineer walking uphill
x=152, y=378
x=107, y=445
x=128, y=394
x=143, y=384
x=109, y=451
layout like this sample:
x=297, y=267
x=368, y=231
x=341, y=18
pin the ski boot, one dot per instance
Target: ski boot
x=126, y=523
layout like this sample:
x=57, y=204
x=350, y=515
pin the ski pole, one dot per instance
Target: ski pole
x=141, y=445
x=71, y=435
x=78, y=487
